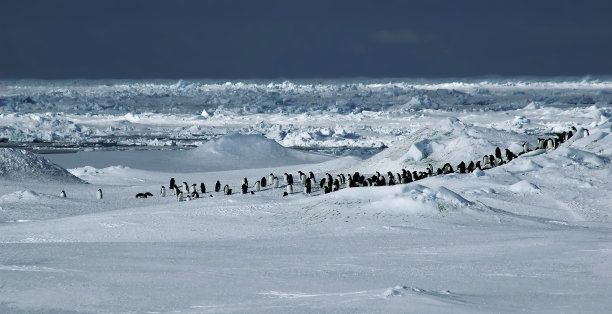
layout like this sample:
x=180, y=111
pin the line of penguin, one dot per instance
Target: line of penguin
x=330, y=184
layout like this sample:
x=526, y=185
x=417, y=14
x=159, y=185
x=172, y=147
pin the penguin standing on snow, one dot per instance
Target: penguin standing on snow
x=271, y=178
x=202, y=188
x=63, y=193
x=172, y=184
x=263, y=182
x=226, y=190
x=217, y=186
x=307, y=186
x=99, y=194
x=179, y=196
x=162, y=192
x=275, y=182
x=289, y=189
x=244, y=188
x=257, y=187
x=185, y=187
x=193, y=188
x=526, y=147
x=461, y=167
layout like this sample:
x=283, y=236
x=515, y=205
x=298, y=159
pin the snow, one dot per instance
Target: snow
x=531, y=235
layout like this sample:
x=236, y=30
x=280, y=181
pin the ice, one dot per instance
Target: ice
x=530, y=235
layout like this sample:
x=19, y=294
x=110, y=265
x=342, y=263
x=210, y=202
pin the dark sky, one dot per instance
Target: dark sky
x=303, y=39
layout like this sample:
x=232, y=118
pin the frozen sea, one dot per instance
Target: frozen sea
x=533, y=234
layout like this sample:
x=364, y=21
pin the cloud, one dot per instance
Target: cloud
x=404, y=36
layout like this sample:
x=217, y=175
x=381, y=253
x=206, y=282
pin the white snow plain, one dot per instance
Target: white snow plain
x=532, y=235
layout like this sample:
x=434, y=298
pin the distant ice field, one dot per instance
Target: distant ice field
x=329, y=115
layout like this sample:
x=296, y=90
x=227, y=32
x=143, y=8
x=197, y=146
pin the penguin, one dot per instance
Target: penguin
x=526, y=147
x=257, y=187
x=225, y=189
x=478, y=165
x=349, y=182
x=470, y=167
x=148, y=194
x=99, y=194
x=492, y=162
x=286, y=178
x=217, y=186
x=244, y=188
x=141, y=195
x=271, y=178
x=510, y=155
x=172, y=184
x=498, y=153
x=336, y=185
x=193, y=188
x=486, y=163
x=245, y=181
x=63, y=193
x=275, y=182
x=447, y=168
x=430, y=170
x=289, y=189
x=569, y=135
x=176, y=190
x=195, y=194
x=461, y=167
x=290, y=179
x=180, y=197
x=185, y=187
x=322, y=182
x=550, y=144
x=301, y=176
x=162, y=192
x=203, y=188
x=541, y=143
x=326, y=190
x=308, y=187
x=586, y=132
x=263, y=182
x=311, y=176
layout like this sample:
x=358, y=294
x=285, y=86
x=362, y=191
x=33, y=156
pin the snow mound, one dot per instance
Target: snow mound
x=19, y=196
x=410, y=198
x=580, y=156
x=240, y=151
x=523, y=165
x=18, y=164
x=523, y=187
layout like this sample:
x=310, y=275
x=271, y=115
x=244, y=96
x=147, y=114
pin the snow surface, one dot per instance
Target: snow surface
x=532, y=235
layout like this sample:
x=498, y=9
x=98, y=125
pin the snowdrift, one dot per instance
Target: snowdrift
x=239, y=151
x=18, y=164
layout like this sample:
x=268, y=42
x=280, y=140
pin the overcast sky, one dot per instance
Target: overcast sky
x=303, y=39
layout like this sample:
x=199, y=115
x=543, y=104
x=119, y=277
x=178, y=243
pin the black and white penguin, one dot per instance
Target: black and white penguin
x=271, y=178
x=172, y=184
x=430, y=170
x=257, y=186
x=493, y=162
x=245, y=181
x=526, y=147
x=336, y=185
x=99, y=194
x=322, y=182
x=263, y=182
x=195, y=194
x=179, y=197
x=193, y=188
x=63, y=193
x=289, y=189
x=217, y=186
x=498, y=153
x=244, y=188
x=510, y=155
x=311, y=176
x=227, y=190
x=447, y=168
x=470, y=167
x=162, y=191
x=308, y=186
x=286, y=178
x=486, y=162
x=141, y=195
x=586, y=132
x=176, y=190
x=302, y=177
x=275, y=182
x=202, y=188
x=349, y=181
x=478, y=166
x=290, y=179
x=461, y=167
x=541, y=143
x=185, y=187
x=550, y=144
